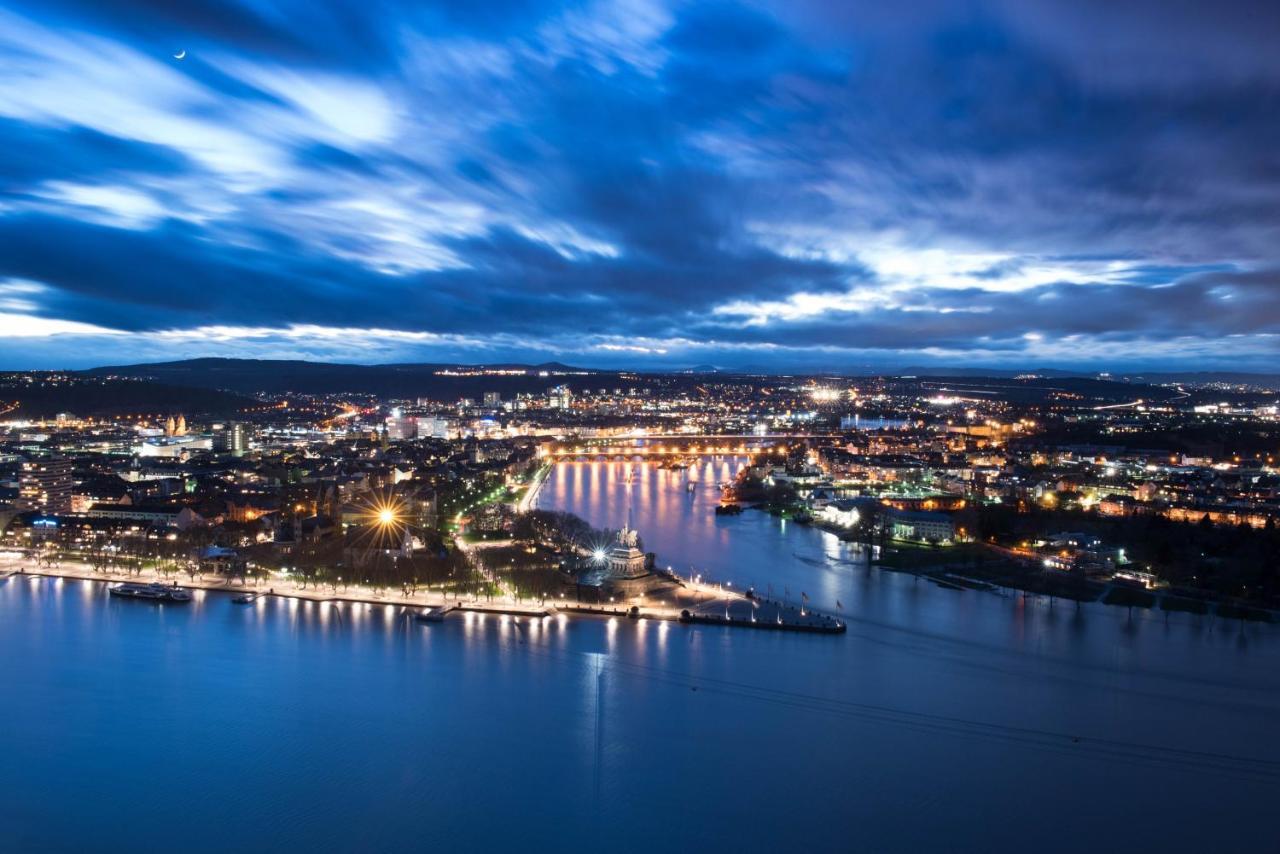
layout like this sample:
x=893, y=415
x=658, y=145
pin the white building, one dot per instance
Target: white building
x=433, y=427
x=173, y=447
x=920, y=527
x=841, y=512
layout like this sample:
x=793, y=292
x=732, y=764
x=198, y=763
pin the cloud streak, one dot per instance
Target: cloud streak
x=641, y=182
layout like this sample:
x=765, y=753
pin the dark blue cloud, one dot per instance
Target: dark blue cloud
x=665, y=182
x=34, y=153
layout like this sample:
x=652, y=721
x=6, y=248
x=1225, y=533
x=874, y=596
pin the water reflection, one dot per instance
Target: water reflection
x=682, y=528
x=296, y=712
x=757, y=550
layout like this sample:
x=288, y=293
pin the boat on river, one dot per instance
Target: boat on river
x=152, y=592
x=433, y=615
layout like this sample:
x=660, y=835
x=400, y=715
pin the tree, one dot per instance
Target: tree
x=97, y=556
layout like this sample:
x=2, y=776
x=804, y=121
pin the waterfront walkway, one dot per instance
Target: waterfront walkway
x=530, y=497
x=695, y=603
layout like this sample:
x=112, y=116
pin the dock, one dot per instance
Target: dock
x=736, y=612
x=758, y=612
x=821, y=624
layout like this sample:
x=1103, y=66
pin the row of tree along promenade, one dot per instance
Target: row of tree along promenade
x=708, y=606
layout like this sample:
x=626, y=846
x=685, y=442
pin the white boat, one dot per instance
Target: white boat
x=152, y=592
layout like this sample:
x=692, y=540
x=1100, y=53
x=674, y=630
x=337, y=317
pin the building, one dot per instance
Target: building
x=920, y=527
x=560, y=397
x=492, y=399
x=174, y=447
x=45, y=486
x=399, y=427
x=163, y=515
x=838, y=514
x=432, y=427
x=238, y=433
x=232, y=439
x=845, y=512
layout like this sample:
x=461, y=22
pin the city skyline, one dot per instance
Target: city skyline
x=639, y=425
x=641, y=184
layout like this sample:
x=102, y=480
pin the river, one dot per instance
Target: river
x=942, y=720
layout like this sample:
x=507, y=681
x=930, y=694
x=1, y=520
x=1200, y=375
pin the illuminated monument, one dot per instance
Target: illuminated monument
x=623, y=570
x=624, y=559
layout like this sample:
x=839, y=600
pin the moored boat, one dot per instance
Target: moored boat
x=433, y=615
x=152, y=592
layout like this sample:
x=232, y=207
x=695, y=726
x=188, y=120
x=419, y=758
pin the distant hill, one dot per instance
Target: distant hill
x=439, y=381
x=1271, y=381
x=453, y=381
x=1260, y=380
x=95, y=396
x=1039, y=389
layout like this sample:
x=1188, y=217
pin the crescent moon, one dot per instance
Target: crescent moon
x=180, y=55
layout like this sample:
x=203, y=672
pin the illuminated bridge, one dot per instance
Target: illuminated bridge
x=627, y=447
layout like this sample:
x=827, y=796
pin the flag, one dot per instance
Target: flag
x=804, y=596
x=839, y=604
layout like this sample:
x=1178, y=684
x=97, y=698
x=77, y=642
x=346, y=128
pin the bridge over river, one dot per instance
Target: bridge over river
x=674, y=445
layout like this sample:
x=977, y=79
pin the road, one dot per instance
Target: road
x=526, y=502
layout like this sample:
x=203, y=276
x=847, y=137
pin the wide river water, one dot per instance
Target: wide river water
x=941, y=721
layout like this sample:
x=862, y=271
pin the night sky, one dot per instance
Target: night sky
x=790, y=185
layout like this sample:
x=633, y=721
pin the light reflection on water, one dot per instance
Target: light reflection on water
x=682, y=528
x=337, y=726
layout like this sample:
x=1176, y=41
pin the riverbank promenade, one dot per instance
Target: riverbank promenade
x=693, y=603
